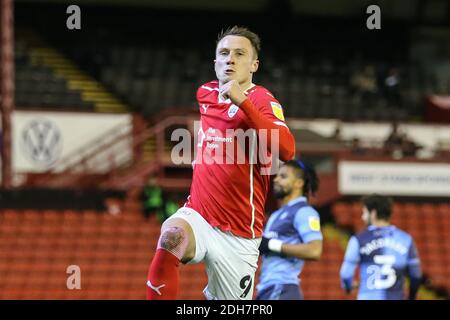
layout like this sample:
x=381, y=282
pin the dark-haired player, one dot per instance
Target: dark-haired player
x=292, y=234
x=384, y=253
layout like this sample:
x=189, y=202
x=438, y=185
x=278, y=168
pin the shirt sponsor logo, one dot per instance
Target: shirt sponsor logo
x=314, y=223
x=277, y=110
x=232, y=110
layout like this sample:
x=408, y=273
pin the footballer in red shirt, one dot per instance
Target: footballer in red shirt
x=241, y=128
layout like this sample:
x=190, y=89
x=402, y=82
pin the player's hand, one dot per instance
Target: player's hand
x=264, y=246
x=270, y=247
x=233, y=91
x=355, y=286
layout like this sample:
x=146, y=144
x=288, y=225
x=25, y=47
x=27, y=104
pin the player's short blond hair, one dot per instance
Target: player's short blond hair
x=243, y=32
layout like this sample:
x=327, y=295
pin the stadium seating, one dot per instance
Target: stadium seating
x=149, y=71
x=428, y=223
x=113, y=252
x=37, y=86
x=306, y=96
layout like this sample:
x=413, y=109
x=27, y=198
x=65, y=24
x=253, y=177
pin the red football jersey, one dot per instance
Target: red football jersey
x=228, y=192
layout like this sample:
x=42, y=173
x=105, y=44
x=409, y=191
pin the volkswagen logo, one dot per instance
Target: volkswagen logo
x=41, y=142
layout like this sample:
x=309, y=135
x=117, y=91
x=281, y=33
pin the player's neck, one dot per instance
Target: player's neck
x=290, y=197
x=244, y=85
x=381, y=223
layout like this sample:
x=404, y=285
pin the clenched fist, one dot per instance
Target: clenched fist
x=233, y=91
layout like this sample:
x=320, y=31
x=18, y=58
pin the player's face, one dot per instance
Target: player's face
x=235, y=60
x=285, y=182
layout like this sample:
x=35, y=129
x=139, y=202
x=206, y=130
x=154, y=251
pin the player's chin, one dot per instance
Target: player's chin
x=228, y=77
x=278, y=192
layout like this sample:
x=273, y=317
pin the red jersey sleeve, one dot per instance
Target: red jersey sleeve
x=265, y=112
x=205, y=90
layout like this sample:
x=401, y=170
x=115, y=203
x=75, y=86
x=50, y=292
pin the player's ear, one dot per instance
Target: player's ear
x=255, y=66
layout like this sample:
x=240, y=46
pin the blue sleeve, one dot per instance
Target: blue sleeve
x=307, y=224
x=414, y=269
x=351, y=260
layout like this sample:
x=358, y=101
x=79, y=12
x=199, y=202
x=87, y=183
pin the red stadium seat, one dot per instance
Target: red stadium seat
x=114, y=253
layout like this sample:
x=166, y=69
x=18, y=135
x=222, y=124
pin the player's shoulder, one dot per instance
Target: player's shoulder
x=307, y=211
x=266, y=101
x=402, y=233
x=210, y=86
x=365, y=234
x=207, y=88
x=307, y=216
x=260, y=92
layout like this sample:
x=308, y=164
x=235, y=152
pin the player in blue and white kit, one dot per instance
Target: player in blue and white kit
x=384, y=253
x=292, y=234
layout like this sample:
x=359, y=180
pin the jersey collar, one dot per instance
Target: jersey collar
x=297, y=200
x=250, y=87
x=372, y=227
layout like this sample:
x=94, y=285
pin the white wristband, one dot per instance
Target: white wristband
x=275, y=245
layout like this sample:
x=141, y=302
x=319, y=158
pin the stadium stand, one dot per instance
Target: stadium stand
x=312, y=75
x=153, y=68
x=37, y=85
x=112, y=251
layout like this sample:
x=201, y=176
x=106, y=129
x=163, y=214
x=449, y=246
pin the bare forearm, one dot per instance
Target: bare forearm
x=305, y=251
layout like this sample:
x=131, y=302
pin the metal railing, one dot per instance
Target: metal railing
x=112, y=156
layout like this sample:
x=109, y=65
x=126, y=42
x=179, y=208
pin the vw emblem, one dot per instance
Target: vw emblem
x=41, y=142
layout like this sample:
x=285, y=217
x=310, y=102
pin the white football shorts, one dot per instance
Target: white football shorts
x=231, y=261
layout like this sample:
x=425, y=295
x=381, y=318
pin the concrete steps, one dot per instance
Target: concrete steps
x=91, y=90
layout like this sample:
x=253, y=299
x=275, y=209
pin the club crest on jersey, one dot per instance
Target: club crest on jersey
x=232, y=110
x=277, y=110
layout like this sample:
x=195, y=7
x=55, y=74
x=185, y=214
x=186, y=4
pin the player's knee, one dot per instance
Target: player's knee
x=173, y=238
